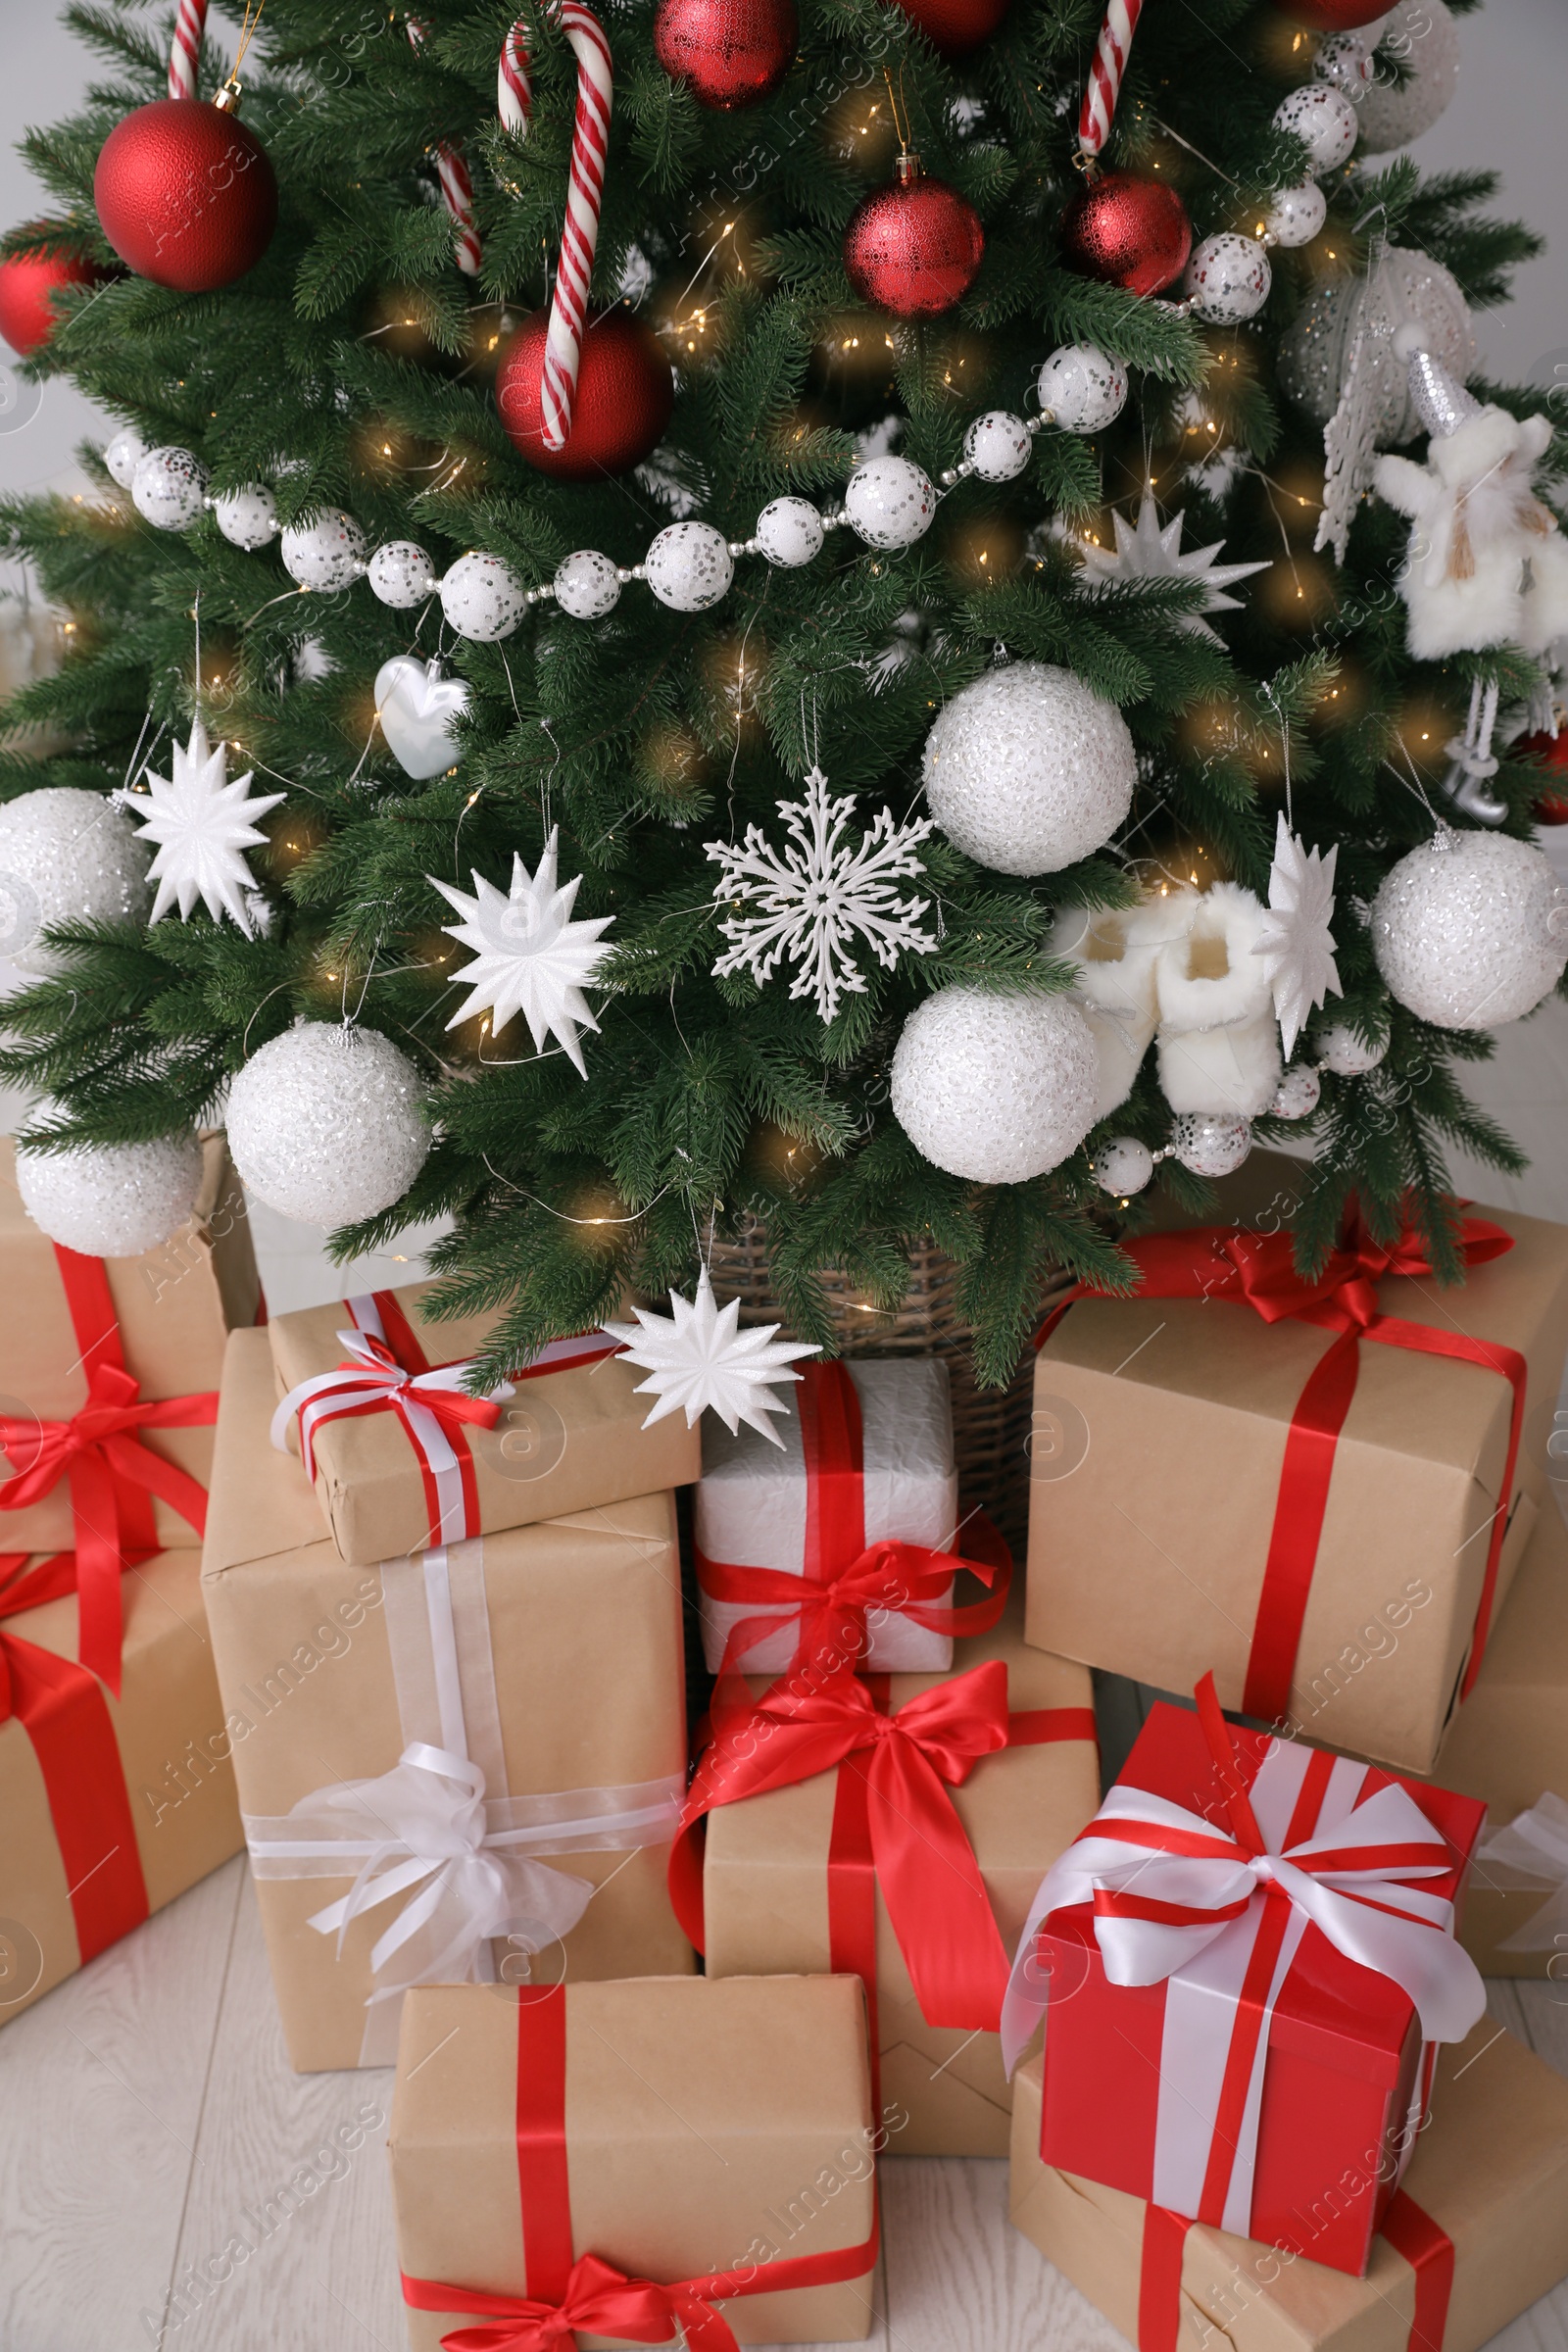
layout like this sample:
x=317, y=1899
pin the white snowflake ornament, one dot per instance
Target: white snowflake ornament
x=1148, y=550
x=816, y=894
x=530, y=956
x=698, y=1359
x=202, y=825
x=1294, y=939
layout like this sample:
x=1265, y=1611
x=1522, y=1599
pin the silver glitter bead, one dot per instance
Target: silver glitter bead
x=1028, y=769
x=1296, y=215
x=325, y=1123
x=1471, y=930
x=401, y=574
x=1123, y=1166
x=1344, y=59
x=247, y=516
x=1339, y=1048
x=1322, y=117
x=790, y=532
x=587, y=584
x=1299, y=1093
x=1084, y=389
x=325, y=553
x=1228, y=278
x=996, y=1089
x=482, y=598
x=123, y=455
x=996, y=446
x=169, y=489
x=1211, y=1143
x=890, y=502
x=689, y=566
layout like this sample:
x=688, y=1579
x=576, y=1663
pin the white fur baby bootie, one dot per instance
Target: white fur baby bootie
x=1219, y=1046
x=1113, y=951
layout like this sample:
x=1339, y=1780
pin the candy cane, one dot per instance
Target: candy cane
x=185, y=55
x=1104, y=86
x=456, y=189
x=590, y=138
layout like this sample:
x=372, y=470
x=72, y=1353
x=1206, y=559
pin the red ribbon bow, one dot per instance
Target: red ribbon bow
x=599, y=2300
x=890, y=1574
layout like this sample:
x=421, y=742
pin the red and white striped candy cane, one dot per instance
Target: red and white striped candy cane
x=456, y=189
x=185, y=55
x=590, y=140
x=1104, y=86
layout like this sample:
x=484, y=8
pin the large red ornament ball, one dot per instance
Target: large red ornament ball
x=27, y=317
x=625, y=392
x=1332, y=16
x=729, y=53
x=956, y=27
x=1130, y=233
x=185, y=194
x=914, y=248
x=1550, y=754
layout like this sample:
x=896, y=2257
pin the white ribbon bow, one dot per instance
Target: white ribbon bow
x=374, y=1377
x=1531, y=1852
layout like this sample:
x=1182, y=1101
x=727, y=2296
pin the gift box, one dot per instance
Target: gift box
x=1311, y=1489
x=459, y=1763
x=864, y=1458
x=403, y=1456
x=784, y=1875
x=137, y=1342
x=628, y=2159
x=113, y=1799
x=1477, y=2234
x=1244, y=1965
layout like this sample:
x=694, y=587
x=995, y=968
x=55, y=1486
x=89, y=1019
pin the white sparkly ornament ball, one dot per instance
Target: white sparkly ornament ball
x=112, y=1200
x=1424, y=36
x=1211, y=1143
x=1029, y=770
x=1123, y=1166
x=1296, y=215
x=1324, y=119
x=483, y=597
x=998, y=445
x=169, y=489
x=587, y=584
x=401, y=574
x=1471, y=930
x=689, y=566
x=324, y=1124
x=65, y=857
x=123, y=455
x=996, y=1089
x=1228, y=278
x=325, y=553
x=790, y=533
x=1339, y=1050
x=1299, y=1091
x=890, y=502
x=1408, y=288
x=248, y=516
x=1346, y=59
x=1082, y=391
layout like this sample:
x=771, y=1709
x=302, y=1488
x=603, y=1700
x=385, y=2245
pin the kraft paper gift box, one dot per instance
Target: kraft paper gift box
x=1157, y=1504
x=865, y=1455
x=111, y=1805
x=499, y=1723
x=1242, y=2058
x=775, y=1862
x=570, y=1436
x=561, y=2153
x=1477, y=2234
x=174, y=1308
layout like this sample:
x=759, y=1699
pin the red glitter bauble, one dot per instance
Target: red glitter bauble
x=1130, y=233
x=624, y=396
x=913, y=248
x=729, y=53
x=27, y=317
x=956, y=27
x=1333, y=16
x=185, y=194
x=1549, y=751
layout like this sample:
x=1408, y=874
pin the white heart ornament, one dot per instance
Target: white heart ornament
x=416, y=704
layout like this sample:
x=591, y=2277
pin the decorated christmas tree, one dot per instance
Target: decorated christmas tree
x=700, y=617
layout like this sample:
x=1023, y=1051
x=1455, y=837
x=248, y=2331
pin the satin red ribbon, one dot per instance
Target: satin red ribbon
x=1259, y=1270
x=587, y=2293
x=113, y=1474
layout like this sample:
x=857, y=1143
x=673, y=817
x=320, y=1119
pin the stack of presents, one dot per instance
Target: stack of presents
x=677, y=1944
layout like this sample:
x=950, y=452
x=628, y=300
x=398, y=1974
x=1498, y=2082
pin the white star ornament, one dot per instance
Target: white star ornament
x=699, y=1361
x=530, y=956
x=202, y=825
x=1146, y=550
x=1294, y=939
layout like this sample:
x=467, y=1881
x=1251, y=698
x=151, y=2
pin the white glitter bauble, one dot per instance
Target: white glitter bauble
x=1028, y=769
x=1081, y=389
x=1123, y=1166
x=1324, y=119
x=1426, y=39
x=1228, y=278
x=994, y=1088
x=1344, y=60
x=890, y=502
x=1410, y=286
x=123, y=455
x=483, y=597
x=65, y=857
x=1471, y=930
x=1339, y=1050
x=247, y=518
x=326, y=553
x=789, y=532
x=1211, y=1143
x=1299, y=1091
x=324, y=1124
x=587, y=584
x=689, y=566
x=169, y=489
x=1296, y=215
x=112, y=1200
x=998, y=445
x=401, y=574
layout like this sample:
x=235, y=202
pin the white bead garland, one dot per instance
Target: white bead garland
x=790, y=532
x=248, y=516
x=169, y=489
x=587, y=584
x=998, y=445
x=1341, y=1051
x=1082, y=389
x=326, y=553
x=1296, y=215
x=401, y=574
x=1228, y=279
x=1323, y=119
x=890, y=502
x=483, y=597
x=1211, y=1143
x=1123, y=1166
x=1299, y=1091
x=689, y=566
x=123, y=455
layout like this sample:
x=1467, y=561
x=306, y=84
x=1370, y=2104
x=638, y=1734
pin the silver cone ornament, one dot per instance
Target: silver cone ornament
x=1442, y=400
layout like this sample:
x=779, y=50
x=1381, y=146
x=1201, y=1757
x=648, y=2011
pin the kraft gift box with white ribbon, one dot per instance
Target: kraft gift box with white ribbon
x=461, y=1764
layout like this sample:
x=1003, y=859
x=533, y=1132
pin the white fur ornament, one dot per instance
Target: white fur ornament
x=1219, y=1047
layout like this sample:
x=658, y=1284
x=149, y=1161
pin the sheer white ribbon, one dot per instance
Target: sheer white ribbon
x=1532, y=1851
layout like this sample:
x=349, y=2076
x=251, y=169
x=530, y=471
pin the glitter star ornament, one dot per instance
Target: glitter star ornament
x=699, y=1361
x=815, y=897
x=1293, y=938
x=530, y=956
x=1149, y=550
x=202, y=826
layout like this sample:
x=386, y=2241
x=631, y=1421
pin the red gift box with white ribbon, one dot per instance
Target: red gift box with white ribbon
x=1244, y=1965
